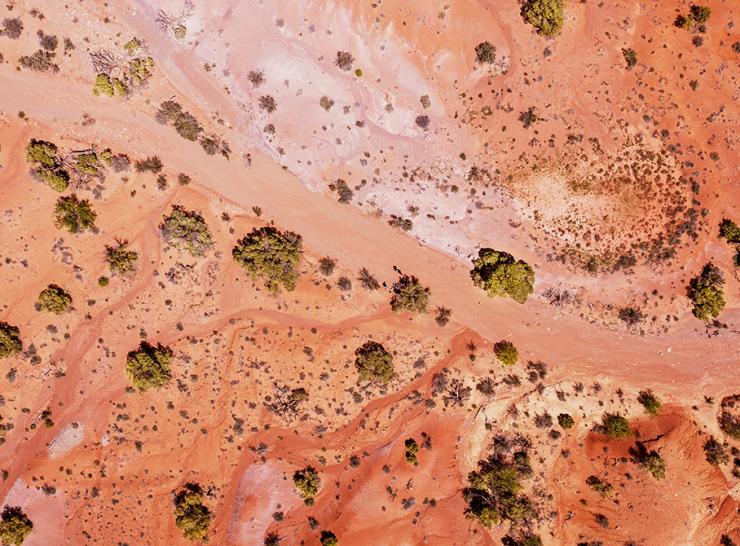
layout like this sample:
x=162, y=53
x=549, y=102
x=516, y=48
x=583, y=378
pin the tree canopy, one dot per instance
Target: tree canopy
x=73, y=214
x=149, y=366
x=192, y=516
x=374, y=363
x=307, y=483
x=188, y=230
x=546, y=16
x=409, y=295
x=270, y=255
x=15, y=526
x=54, y=299
x=705, y=291
x=10, y=340
x=499, y=274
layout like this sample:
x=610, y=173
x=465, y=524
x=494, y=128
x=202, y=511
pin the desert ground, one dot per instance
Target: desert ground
x=380, y=133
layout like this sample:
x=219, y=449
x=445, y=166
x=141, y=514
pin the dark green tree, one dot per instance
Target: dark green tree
x=705, y=291
x=149, y=366
x=54, y=299
x=192, y=516
x=270, y=255
x=73, y=214
x=10, y=340
x=374, y=363
x=307, y=482
x=499, y=274
x=546, y=16
x=409, y=295
x=15, y=526
x=187, y=229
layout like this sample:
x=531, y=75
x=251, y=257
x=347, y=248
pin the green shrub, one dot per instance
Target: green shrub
x=526, y=539
x=648, y=460
x=56, y=179
x=105, y=85
x=565, y=421
x=485, y=53
x=149, y=366
x=715, y=452
x=192, y=516
x=506, y=352
x=412, y=448
x=500, y=275
x=329, y=539
x=373, y=362
x=73, y=214
x=103, y=281
x=630, y=57
x=187, y=229
x=120, y=259
x=615, y=426
x=700, y=14
x=409, y=295
x=10, y=340
x=54, y=299
x=270, y=255
x=171, y=113
x=15, y=526
x=43, y=152
x=649, y=402
x=546, y=16
x=729, y=230
x=599, y=485
x=88, y=163
x=152, y=164
x=307, y=482
x=705, y=291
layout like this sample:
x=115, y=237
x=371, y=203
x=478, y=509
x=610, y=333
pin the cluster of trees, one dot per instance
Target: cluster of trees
x=270, y=255
x=122, y=76
x=698, y=15
x=148, y=367
x=412, y=448
x=192, y=516
x=120, y=259
x=499, y=274
x=188, y=127
x=706, y=293
x=48, y=165
x=329, y=539
x=546, y=16
x=15, y=526
x=307, y=482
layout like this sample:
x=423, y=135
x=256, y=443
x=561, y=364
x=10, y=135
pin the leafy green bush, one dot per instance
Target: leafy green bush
x=705, y=291
x=494, y=494
x=649, y=401
x=373, y=362
x=10, y=340
x=54, y=299
x=307, y=482
x=270, y=255
x=171, y=113
x=412, y=448
x=187, y=229
x=74, y=214
x=599, y=485
x=729, y=230
x=615, y=426
x=565, y=421
x=409, y=295
x=546, y=16
x=192, y=516
x=48, y=164
x=88, y=163
x=15, y=526
x=329, y=539
x=648, y=460
x=109, y=86
x=149, y=366
x=120, y=259
x=499, y=275
x=506, y=352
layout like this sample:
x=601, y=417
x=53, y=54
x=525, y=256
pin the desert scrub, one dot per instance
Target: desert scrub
x=344, y=60
x=10, y=340
x=171, y=113
x=499, y=274
x=12, y=28
x=105, y=85
x=565, y=420
x=649, y=401
x=705, y=292
x=54, y=299
x=485, y=53
x=47, y=164
x=546, y=16
x=715, y=452
x=74, y=214
x=120, y=259
x=614, y=426
x=151, y=164
x=186, y=229
x=650, y=461
x=506, y=352
x=15, y=526
x=307, y=483
x=329, y=539
x=600, y=486
x=409, y=295
x=192, y=516
x=367, y=280
x=494, y=493
x=148, y=367
x=697, y=15
x=40, y=61
x=270, y=255
x=630, y=57
x=374, y=363
x=730, y=231
x=442, y=316
x=412, y=448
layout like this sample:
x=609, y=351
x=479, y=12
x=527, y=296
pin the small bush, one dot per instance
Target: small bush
x=409, y=295
x=630, y=57
x=546, y=16
x=700, y=14
x=499, y=275
x=74, y=214
x=329, y=539
x=184, y=122
x=12, y=28
x=599, y=485
x=54, y=299
x=374, y=363
x=442, y=316
x=506, y=352
x=327, y=266
x=485, y=53
x=344, y=60
x=729, y=230
x=648, y=460
x=649, y=401
x=40, y=61
x=15, y=526
x=630, y=316
x=187, y=229
x=152, y=164
x=270, y=255
x=715, y=452
x=412, y=448
x=256, y=77
x=148, y=367
x=120, y=259
x=343, y=190
x=565, y=420
x=268, y=103
x=615, y=426
x=10, y=340
x=307, y=482
x=705, y=291
x=367, y=281
x=43, y=152
x=103, y=281
x=192, y=516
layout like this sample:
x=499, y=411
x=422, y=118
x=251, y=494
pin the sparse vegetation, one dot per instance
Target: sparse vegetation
x=120, y=259
x=499, y=275
x=270, y=255
x=74, y=214
x=730, y=231
x=54, y=299
x=715, y=452
x=409, y=295
x=649, y=401
x=192, y=516
x=374, y=363
x=10, y=340
x=343, y=190
x=367, y=281
x=529, y=117
x=187, y=229
x=697, y=15
x=148, y=367
x=171, y=113
x=600, y=486
x=615, y=426
x=506, y=352
x=15, y=526
x=12, y=28
x=631, y=316
x=442, y=316
x=48, y=165
x=485, y=53
x=150, y=164
x=565, y=420
x=344, y=60
x=705, y=291
x=648, y=460
x=40, y=60
x=412, y=448
x=327, y=266
x=268, y=103
x=329, y=539
x=630, y=57
x=307, y=483
x=546, y=16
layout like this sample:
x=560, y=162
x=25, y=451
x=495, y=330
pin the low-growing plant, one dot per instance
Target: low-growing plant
x=40, y=60
x=373, y=362
x=715, y=452
x=442, y=316
x=344, y=60
x=565, y=420
x=192, y=516
x=706, y=293
x=367, y=280
x=307, y=483
x=15, y=526
x=546, y=16
x=54, y=299
x=599, y=485
x=412, y=448
x=615, y=426
x=499, y=274
x=327, y=266
x=270, y=255
x=506, y=352
x=485, y=53
x=630, y=315
x=12, y=28
x=329, y=539
x=630, y=57
x=120, y=259
x=409, y=295
x=187, y=229
x=10, y=340
x=730, y=231
x=648, y=460
x=148, y=367
x=649, y=401
x=74, y=214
